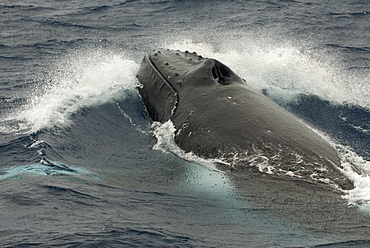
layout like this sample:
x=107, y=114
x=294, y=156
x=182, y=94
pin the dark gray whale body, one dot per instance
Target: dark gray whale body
x=218, y=115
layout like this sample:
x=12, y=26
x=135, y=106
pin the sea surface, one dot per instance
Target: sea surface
x=81, y=164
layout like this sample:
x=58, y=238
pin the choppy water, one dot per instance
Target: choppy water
x=81, y=167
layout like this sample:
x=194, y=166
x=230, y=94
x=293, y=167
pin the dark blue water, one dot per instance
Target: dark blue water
x=80, y=166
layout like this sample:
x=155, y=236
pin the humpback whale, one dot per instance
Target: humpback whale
x=218, y=115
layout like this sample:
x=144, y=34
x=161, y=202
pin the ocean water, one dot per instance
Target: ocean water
x=82, y=165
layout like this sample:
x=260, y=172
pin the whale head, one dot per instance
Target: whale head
x=216, y=114
x=166, y=74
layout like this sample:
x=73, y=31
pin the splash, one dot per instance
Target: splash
x=82, y=78
x=285, y=70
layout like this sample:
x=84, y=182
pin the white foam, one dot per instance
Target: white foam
x=205, y=177
x=82, y=78
x=165, y=134
x=357, y=170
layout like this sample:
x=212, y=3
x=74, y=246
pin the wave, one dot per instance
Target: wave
x=80, y=79
x=347, y=124
x=342, y=14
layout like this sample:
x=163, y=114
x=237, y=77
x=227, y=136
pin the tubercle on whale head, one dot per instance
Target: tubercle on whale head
x=158, y=96
x=183, y=68
x=165, y=74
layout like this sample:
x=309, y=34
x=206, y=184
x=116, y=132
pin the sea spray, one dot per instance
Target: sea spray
x=82, y=78
x=285, y=70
